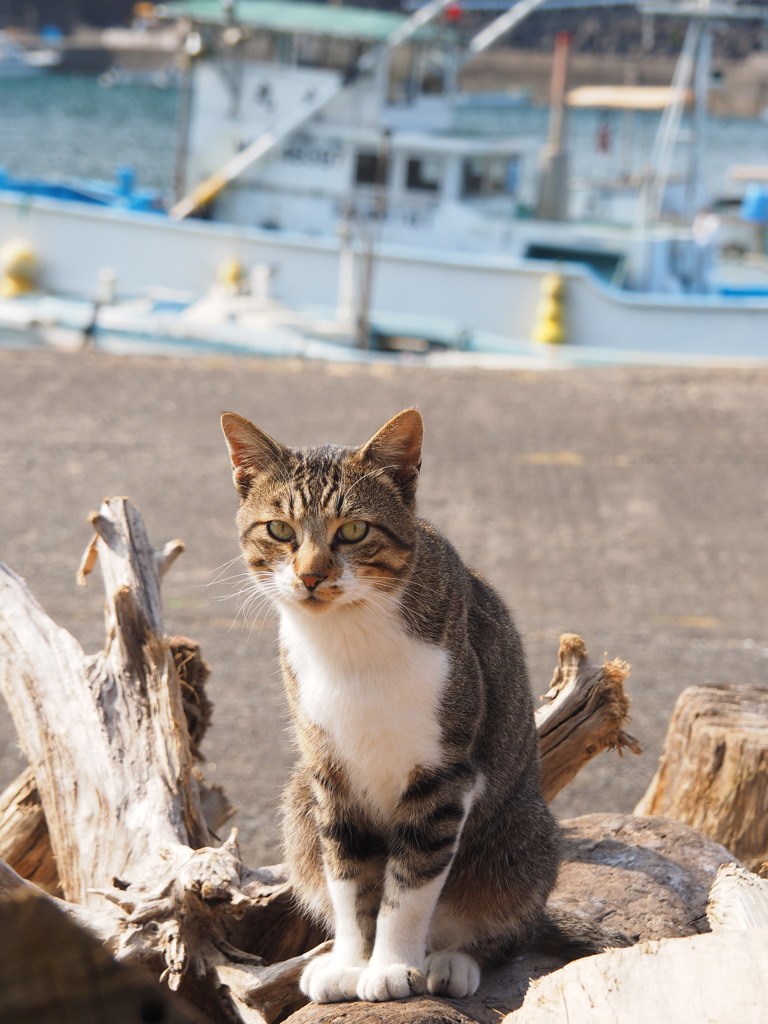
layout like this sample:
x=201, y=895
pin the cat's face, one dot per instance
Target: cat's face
x=326, y=527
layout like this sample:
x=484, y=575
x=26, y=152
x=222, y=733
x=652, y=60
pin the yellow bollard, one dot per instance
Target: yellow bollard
x=230, y=276
x=549, y=329
x=18, y=268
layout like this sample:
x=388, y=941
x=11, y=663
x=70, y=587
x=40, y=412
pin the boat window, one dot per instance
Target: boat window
x=309, y=51
x=490, y=176
x=371, y=169
x=607, y=265
x=422, y=175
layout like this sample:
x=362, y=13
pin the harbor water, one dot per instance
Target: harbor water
x=71, y=126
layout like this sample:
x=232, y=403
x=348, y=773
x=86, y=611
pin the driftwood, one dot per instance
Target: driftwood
x=110, y=742
x=714, y=977
x=713, y=774
x=713, y=771
x=585, y=713
x=719, y=977
x=50, y=969
x=112, y=759
x=24, y=840
x=738, y=900
x=649, y=878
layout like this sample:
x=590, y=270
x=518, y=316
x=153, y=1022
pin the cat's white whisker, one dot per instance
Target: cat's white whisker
x=220, y=570
x=239, y=582
x=255, y=598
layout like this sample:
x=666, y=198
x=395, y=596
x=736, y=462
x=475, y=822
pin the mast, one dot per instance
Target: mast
x=693, y=71
x=552, y=201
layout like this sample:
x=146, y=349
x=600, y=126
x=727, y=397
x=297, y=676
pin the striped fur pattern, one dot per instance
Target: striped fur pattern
x=413, y=823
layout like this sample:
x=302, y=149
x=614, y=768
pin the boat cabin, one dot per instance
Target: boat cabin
x=341, y=128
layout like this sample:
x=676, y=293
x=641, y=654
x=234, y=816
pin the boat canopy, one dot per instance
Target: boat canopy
x=625, y=97
x=297, y=18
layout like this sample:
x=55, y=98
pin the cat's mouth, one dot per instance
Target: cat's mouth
x=318, y=601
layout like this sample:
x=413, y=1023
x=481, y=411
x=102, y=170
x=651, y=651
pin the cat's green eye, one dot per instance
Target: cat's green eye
x=279, y=530
x=349, y=533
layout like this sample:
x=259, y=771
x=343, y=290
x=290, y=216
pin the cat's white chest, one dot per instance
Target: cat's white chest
x=374, y=690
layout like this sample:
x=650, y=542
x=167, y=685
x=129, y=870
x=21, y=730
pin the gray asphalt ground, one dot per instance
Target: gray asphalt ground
x=628, y=505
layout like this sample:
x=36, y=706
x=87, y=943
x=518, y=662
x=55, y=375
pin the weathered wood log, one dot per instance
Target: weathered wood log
x=720, y=978
x=713, y=771
x=51, y=969
x=110, y=755
x=586, y=712
x=24, y=840
x=421, y=1010
x=649, y=878
x=738, y=900
x=107, y=741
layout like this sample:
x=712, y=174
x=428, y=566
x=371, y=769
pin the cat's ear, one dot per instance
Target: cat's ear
x=250, y=449
x=396, y=448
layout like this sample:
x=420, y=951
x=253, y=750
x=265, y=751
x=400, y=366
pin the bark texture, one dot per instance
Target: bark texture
x=585, y=713
x=713, y=771
x=646, y=877
x=24, y=840
x=714, y=978
x=52, y=969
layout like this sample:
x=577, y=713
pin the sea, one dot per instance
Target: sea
x=67, y=126
x=73, y=126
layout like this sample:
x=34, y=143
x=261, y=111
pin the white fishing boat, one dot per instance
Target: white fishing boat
x=321, y=153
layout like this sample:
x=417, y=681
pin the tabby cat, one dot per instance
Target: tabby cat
x=414, y=825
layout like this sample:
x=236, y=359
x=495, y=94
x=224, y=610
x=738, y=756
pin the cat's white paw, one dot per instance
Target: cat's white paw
x=452, y=974
x=327, y=980
x=390, y=981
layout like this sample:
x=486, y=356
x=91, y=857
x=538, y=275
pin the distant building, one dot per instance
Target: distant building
x=64, y=14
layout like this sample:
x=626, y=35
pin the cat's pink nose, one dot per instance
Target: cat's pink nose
x=310, y=582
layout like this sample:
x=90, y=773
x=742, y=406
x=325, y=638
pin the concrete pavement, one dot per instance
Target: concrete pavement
x=628, y=505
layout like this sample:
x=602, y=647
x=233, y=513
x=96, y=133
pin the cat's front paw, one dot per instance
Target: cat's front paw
x=380, y=982
x=453, y=974
x=327, y=980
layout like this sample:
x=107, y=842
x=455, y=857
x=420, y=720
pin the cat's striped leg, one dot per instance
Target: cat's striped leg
x=353, y=862
x=426, y=831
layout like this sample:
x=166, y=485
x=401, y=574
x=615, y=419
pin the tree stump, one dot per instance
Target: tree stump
x=713, y=772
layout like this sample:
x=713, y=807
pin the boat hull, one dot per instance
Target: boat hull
x=487, y=302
